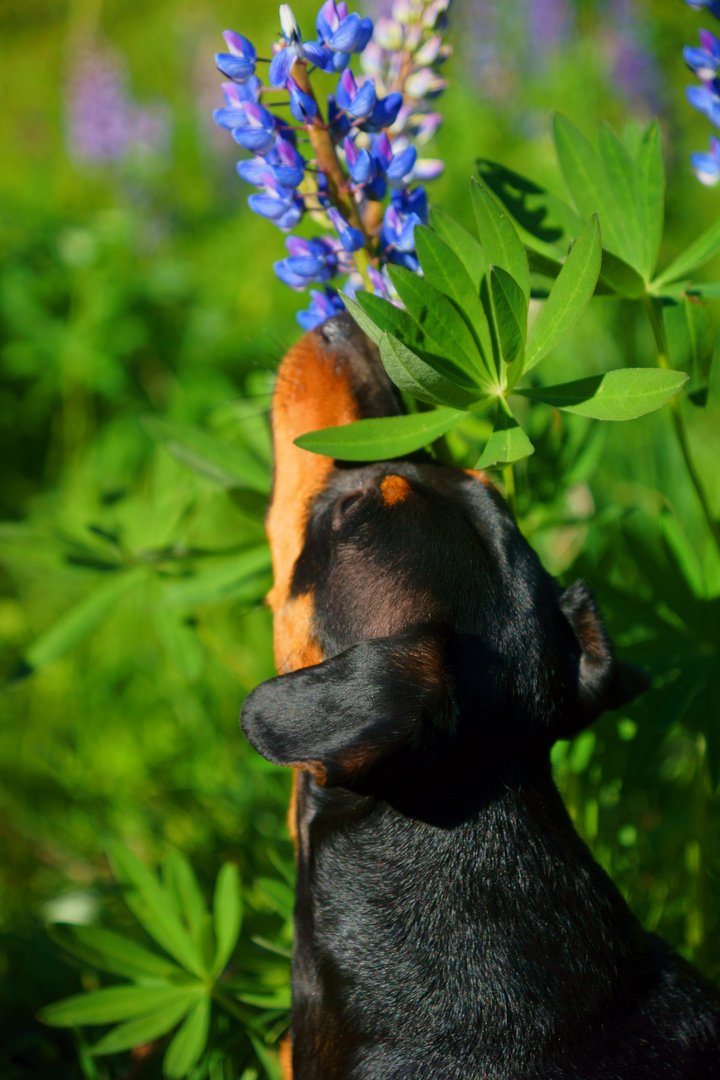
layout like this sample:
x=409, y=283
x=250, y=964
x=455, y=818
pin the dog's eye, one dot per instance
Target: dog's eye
x=343, y=505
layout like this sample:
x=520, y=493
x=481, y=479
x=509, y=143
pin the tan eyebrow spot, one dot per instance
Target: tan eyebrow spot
x=394, y=489
x=478, y=475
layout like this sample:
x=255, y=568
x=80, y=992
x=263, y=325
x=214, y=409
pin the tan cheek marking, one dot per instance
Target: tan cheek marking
x=481, y=476
x=394, y=489
x=312, y=391
x=286, y=1057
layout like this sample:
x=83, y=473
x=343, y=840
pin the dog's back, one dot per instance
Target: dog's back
x=450, y=923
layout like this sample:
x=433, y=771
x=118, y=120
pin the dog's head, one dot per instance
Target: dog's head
x=413, y=623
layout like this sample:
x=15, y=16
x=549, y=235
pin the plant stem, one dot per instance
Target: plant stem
x=679, y=424
x=508, y=474
x=327, y=159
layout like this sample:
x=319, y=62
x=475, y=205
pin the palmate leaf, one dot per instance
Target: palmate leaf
x=226, y=465
x=182, y=887
x=146, y=1028
x=189, y=1042
x=227, y=915
x=387, y=317
x=501, y=244
x=650, y=196
x=439, y=319
x=153, y=908
x=462, y=243
x=617, y=395
x=620, y=169
x=510, y=311
x=377, y=439
x=116, y=1003
x=111, y=952
x=691, y=341
x=446, y=271
x=429, y=379
x=569, y=296
x=508, y=442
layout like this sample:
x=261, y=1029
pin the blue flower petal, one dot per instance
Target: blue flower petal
x=254, y=171
x=256, y=139
x=236, y=68
x=280, y=66
x=366, y=32
x=362, y=170
x=347, y=34
x=267, y=205
x=364, y=101
x=229, y=118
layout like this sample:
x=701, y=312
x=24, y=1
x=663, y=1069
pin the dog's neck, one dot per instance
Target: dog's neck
x=493, y=918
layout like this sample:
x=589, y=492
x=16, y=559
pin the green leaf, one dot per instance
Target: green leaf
x=364, y=321
x=394, y=320
x=620, y=170
x=279, y=999
x=112, y=1004
x=230, y=578
x=77, y=623
x=546, y=224
x=691, y=340
x=111, y=952
x=461, y=241
x=251, y=504
x=376, y=440
x=508, y=442
x=617, y=395
x=179, y=878
x=621, y=277
x=510, y=309
x=650, y=195
x=709, y=289
x=189, y=1042
x=428, y=379
x=152, y=908
x=569, y=296
x=501, y=244
x=587, y=179
x=205, y=454
x=439, y=319
x=146, y=1029
x=227, y=915
x=696, y=255
x=446, y=271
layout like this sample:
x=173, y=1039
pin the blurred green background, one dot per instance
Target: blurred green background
x=135, y=282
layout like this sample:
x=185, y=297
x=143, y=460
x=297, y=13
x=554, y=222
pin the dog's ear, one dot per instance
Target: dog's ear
x=603, y=681
x=340, y=718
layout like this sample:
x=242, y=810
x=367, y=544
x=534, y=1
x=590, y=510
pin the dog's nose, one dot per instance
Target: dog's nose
x=341, y=331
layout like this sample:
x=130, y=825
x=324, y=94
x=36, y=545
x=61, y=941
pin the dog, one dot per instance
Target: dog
x=450, y=924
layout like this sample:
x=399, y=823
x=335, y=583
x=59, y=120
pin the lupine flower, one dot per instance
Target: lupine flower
x=705, y=61
x=104, y=124
x=713, y=6
x=706, y=100
x=707, y=166
x=369, y=134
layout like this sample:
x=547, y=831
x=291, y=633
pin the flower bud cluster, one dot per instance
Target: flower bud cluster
x=704, y=62
x=350, y=164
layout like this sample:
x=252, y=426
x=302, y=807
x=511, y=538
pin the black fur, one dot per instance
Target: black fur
x=450, y=923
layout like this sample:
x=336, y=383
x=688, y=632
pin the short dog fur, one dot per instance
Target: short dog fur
x=450, y=924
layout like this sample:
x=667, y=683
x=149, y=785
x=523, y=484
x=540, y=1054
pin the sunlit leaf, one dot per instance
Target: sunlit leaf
x=621, y=277
x=206, y=454
x=280, y=999
x=377, y=439
x=501, y=244
x=569, y=296
x=617, y=395
x=446, y=271
x=620, y=170
x=113, y=1003
x=696, y=255
x=146, y=1029
x=149, y=903
x=361, y=318
x=586, y=177
x=111, y=952
x=510, y=310
x=227, y=914
x=439, y=319
x=508, y=442
x=650, y=194
x=428, y=379
x=179, y=879
x=233, y=577
x=461, y=241
x=394, y=320
x=189, y=1042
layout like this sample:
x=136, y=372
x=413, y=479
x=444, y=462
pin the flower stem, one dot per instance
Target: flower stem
x=679, y=426
x=327, y=159
x=508, y=475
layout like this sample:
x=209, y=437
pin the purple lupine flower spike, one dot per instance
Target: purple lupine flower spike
x=707, y=166
x=323, y=305
x=706, y=101
x=705, y=61
x=713, y=6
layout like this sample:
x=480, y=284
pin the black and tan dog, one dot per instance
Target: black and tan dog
x=450, y=924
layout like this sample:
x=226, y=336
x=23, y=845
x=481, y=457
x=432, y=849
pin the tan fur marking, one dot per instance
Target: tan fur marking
x=394, y=489
x=286, y=1056
x=478, y=475
x=312, y=391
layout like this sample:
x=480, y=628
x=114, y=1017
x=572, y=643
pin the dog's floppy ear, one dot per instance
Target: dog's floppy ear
x=603, y=681
x=340, y=718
